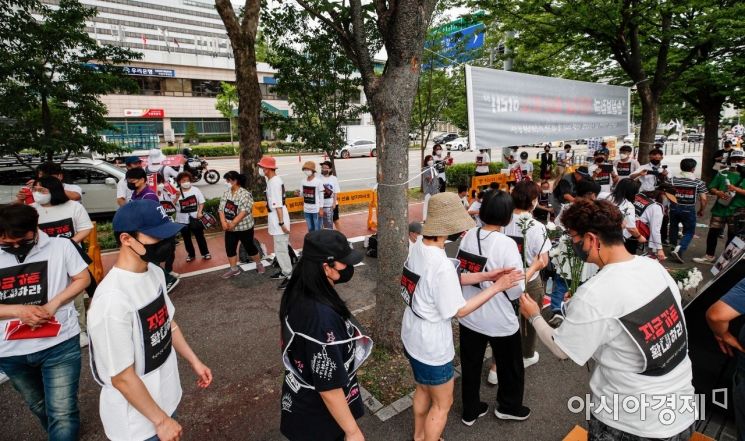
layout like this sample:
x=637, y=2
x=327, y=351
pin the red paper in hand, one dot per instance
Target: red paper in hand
x=18, y=331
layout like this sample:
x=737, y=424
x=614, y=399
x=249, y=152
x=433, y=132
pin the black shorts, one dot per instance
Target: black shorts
x=245, y=237
x=336, y=213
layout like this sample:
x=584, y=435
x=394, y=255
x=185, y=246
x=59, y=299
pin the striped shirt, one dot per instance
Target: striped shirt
x=687, y=190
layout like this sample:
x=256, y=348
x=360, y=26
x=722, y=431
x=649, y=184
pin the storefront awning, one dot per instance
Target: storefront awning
x=266, y=107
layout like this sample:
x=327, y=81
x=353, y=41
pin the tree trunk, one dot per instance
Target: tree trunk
x=648, y=129
x=249, y=111
x=391, y=111
x=711, y=137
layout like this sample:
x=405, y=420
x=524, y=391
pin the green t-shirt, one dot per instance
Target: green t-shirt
x=718, y=183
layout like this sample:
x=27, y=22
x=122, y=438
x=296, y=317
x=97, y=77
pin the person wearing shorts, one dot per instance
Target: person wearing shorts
x=430, y=286
x=236, y=205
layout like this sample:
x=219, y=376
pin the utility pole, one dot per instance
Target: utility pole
x=508, y=49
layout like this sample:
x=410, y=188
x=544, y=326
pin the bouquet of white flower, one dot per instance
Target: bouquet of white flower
x=687, y=278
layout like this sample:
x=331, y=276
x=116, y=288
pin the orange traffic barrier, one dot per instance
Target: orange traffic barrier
x=482, y=181
x=295, y=204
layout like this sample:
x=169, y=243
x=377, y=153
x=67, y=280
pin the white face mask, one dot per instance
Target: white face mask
x=308, y=172
x=228, y=185
x=625, y=156
x=186, y=185
x=430, y=163
x=524, y=161
x=261, y=172
x=42, y=198
x=546, y=191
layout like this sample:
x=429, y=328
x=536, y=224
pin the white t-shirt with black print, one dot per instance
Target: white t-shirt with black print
x=129, y=324
x=534, y=243
x=628, y=211
x=44, y=274
x=331, y=190
x=187, y=204
x=629, y=319
x=497, y=317
x=312, y=194
x=434, y=297
x=275, y=200
x=63, y=220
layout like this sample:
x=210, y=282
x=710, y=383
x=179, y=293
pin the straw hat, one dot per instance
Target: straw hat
x=446, y=215
x=309, y=165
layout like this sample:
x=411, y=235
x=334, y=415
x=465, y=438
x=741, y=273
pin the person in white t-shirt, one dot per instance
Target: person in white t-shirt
x=40, y=347
x=652, y=173
x=532, y=240
x=496, y=323
x=123, y=193
x=525, y=167
x=331, y=192
x=629, y=319
x=475, y=208
x=431, y=289
x=311, y=190
x=65, y=218
x=73, y=192
x=482, y=163
x=623, y=197
x=189, y=203
x=626, y=165
x=278, y=220
x=603, y=173
x=134, y=338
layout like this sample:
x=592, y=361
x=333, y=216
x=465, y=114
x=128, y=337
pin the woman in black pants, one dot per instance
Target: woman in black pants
x=189, y=211
x=236, y=217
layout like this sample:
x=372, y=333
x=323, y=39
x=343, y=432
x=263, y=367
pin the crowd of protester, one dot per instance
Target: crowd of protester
x=615, y=217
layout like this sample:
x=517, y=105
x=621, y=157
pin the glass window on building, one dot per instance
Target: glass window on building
x=203, y=125
x=174, y=86
x=205, y=88
x=135, y=126
x=149, y=86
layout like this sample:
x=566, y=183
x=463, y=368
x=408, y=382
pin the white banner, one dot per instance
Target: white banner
x=510, y=108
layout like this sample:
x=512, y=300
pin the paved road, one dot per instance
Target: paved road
x=359, y=173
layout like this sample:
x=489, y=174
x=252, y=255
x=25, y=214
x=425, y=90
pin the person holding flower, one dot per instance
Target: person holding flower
x=533, y=243
x=620, y=318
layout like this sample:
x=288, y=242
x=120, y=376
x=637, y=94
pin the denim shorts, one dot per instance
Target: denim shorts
x=430, y=375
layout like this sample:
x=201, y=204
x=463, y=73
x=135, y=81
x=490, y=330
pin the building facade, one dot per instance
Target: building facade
x=186, y=55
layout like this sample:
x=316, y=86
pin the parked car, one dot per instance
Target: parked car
x=660, y=139
x=695, y=137
x=444, y=138
x=413, y=136
x=629, y=139
x=359, y=147
x=458, y=144
x=97, y=179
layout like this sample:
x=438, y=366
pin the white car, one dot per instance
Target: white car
x=359, y=147
x=459, y=144
x=96, y=178
x=629, y=139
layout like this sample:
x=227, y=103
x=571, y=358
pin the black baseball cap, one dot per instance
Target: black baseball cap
x=327, y=245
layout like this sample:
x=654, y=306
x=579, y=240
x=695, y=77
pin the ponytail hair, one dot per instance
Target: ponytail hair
x=235, y=176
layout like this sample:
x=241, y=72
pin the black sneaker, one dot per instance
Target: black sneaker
x=520, y=414
x=285, y=282
x=483, y=410
x=171, y=282
x=276, y=276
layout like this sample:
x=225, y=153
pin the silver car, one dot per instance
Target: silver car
x=96, y=178
x=359, y=147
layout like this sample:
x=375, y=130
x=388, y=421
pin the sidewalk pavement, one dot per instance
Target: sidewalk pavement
x=353, y=226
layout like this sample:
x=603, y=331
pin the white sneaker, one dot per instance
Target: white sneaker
x=530, y=361
x=709, y=260
x=492, y=378
x=83, y=339
x=3, y=377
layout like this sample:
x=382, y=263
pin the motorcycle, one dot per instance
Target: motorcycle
x=198, y=169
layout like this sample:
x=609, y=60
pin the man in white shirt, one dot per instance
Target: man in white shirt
x=133, y=337
x=564, y=159
x=482, y=163
x=331, y=191
x=651, y=173
x=603, y=172
x=278, y=221
x=40, y=349
x=629, y=319
x=626, y=165
x=124, y=194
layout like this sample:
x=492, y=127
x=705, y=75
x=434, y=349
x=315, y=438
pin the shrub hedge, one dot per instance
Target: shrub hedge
x=461, y=174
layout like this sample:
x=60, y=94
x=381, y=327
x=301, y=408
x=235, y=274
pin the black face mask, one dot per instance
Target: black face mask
x=599, y=160
x=325, y=172
x=578, y=250
x=131, y=186
x=654, y=161
x=345, y=275
x=20, y=251
x=157, y=252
